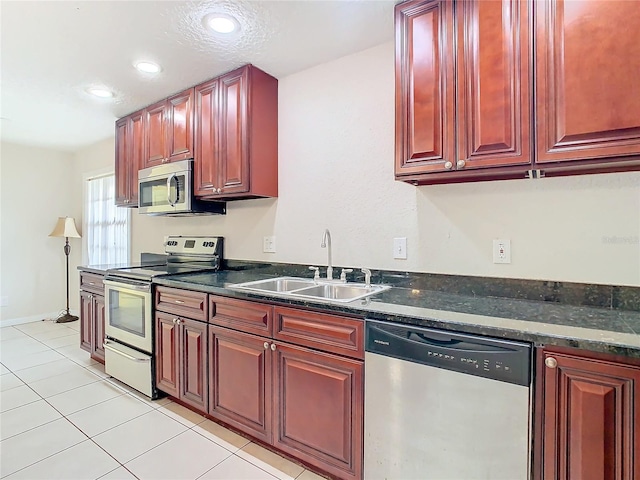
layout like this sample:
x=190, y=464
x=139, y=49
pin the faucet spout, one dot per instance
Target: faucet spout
x=326, y=243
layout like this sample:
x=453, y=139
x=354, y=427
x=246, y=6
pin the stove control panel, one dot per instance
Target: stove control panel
x=183, y=245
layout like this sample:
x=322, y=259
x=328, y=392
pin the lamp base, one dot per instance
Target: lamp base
x=66, y=317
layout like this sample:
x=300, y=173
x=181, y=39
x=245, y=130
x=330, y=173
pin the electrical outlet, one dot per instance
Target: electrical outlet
x=269, y=244
x=400, y=248
x=502, y=250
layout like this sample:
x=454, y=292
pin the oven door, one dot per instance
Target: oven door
x=128, y=313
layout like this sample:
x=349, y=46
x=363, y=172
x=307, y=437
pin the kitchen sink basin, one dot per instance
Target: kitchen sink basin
x=307, y=288
x=282, y=284
x=340, y=292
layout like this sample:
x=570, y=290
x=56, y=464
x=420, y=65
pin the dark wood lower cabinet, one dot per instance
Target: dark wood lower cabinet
x=92, y=318
x=319, y=409
x=588, y=417
x=240, y=381
x=181, y=359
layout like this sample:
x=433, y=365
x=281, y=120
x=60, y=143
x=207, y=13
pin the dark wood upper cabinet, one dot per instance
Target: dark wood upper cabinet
x=130, y=145
x=587, y=88
x=588, y=412
x=180, y=129
x=236, y=139
x=425, y=89
x=493, y=82
x=207, y=139
x=157, y=134
x=465, y=88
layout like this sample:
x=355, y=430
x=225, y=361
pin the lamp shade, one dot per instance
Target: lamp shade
x=66, y=227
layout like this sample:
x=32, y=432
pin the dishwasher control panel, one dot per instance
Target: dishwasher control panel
x=497, y=359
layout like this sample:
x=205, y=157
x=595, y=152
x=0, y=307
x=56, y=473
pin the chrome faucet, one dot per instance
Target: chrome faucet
x=326, y=243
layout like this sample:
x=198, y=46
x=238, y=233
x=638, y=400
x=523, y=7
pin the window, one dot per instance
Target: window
x=107, y=226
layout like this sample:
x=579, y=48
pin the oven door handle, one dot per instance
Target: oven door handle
x=142, y=287
x=108, y=346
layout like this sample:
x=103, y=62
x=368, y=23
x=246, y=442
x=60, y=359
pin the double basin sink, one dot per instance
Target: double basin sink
x=312, y=289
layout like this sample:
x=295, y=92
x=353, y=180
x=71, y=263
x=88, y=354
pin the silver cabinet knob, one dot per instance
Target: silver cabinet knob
x=266, y=345
x=461, y=163
x=448, y=165
x=219, y=190
x=551, y=362
x=273, y=347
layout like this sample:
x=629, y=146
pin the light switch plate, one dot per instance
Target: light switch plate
x=269, y=244
x=400, y=248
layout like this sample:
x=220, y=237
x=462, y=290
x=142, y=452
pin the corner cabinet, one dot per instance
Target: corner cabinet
x=587, y=416
x=92, y=315
x=465, y=89
x=236, y=138
x=130, y=147
x=463, y=74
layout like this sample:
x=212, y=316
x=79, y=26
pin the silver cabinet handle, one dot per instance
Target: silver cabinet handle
x=273, y=347
x=175, y=320
x=448, y=165
x=266, y=345
x=178, y=301
x=551, y=362
x=461, y=163
x=91, y=283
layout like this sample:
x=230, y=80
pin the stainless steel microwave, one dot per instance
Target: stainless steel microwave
x=168, y=190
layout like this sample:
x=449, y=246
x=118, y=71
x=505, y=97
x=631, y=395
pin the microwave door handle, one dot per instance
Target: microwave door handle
x=169, y=180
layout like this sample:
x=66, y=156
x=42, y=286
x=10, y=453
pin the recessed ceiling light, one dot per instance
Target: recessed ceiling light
x=100, y=92
x=147, y=67
x=221, y=23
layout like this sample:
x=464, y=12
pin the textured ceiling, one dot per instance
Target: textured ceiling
x=51, y=51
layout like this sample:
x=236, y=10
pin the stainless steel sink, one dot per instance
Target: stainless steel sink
x=281, y=284
x=340, y=292
x=307, y=288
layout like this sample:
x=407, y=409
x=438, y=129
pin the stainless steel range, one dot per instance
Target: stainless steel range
x=129, y=308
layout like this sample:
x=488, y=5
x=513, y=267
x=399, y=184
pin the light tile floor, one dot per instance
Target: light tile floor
x=62, y=417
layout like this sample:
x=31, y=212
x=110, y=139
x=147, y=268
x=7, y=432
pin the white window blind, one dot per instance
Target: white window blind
x=107, y=225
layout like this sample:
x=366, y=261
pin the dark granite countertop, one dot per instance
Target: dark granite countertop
x=590, y=328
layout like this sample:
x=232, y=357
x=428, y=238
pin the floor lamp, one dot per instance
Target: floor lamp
x=66, y=227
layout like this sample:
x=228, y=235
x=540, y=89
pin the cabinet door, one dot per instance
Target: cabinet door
x=234, y=166
x=587, y=88
x=493, y=77
x=156, y=127
x=167, y=353
x=86, y=320
x=97, y=338
x=425, y=89
x=319, y=401
x=206, y=161
x=240, y=381
x=591, y=425
x=193, y=364
x=122, y=177
x=180, y=130
x=136, y=154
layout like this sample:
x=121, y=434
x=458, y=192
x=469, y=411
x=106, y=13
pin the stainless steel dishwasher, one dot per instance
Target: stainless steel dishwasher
x=442, y=405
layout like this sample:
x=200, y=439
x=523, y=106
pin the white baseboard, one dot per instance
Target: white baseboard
x=33, y=318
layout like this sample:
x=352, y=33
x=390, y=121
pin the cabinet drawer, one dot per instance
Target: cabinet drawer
x=331, y=333
x=182, y=302
x=249, y=317
x=92, y=282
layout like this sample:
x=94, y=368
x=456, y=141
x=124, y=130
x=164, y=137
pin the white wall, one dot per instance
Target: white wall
x=336, y=147
x=36, y=187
